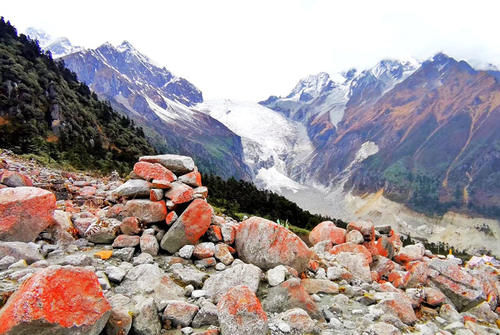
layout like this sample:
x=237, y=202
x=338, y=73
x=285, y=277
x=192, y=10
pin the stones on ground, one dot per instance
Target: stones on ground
x=143, y=258
x=313, y=286
x=25, y=212
x=298, y=320
x=356, y=264
x=103, y=231
x=14, y=179
x=57, y=300
x=186, y=251
x=115, y=273
x=204, y=250
x=288, y=295
x=146, y=321
x=179, y=193
x=149, y=244
x=276, y=275
x=130, y=226
x=189, y=227
x=327, y=230
x=223, y=254
x=267, y=244
x=124, y=241
x=400, y=306
x=124, y=254
x=152, y=171
x=120, y=320
x=180, y=313
x=240, y=313
x=207, y=315
x=177, y=164
x=132, y=188
x=145, y=210
x=240, y=274
x=30, y=252
x=188, y=275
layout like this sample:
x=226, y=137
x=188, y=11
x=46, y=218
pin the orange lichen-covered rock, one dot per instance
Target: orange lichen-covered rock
x=291, y=294
x=192, y=179
x=179, y=193
x=150, y=171
x=25, y=212
x=240, y=313
x=354, y=248
x=401, y=307
x=104, y=254
x=366, y=228
x=56, y=301
x=267, y=244
x=327, y=230
x=14, y=179
x=189, y=227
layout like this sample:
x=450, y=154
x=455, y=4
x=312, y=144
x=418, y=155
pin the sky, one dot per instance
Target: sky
x=249, y=50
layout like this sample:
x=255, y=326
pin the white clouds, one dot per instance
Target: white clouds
x=251, y=49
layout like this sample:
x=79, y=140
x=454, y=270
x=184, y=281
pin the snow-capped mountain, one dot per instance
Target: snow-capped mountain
x=271, y=142
x=162, y=102
x=59, y=47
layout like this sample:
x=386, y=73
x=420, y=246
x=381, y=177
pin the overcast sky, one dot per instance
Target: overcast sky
x=252, y=49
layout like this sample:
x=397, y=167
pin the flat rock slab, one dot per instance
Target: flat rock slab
x=176, y=163
x=25, y=212
x=267, y=244
x=133, y=188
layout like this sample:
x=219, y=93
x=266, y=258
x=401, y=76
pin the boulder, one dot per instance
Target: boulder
x=463, y=290
x=239, y=274
x=151, y=171
x=290, y=294
x=180, y=313
x=120, y=320
x=327, y=230
x=240, y=313
x=223, y=254
x=14, y=179
x=298, y=320
x=124, y=241
x=356, y=264
x=353, y=248
x=149, y=244
x=177, y=164
x=314, y=286
x=146, y=320
x=130, y=226
x=189, y=227
x=206, y=316
x=30, y=252
x=145, y=210
x=354, y=236
x=133, y=188
x=398, y=305
x=25, y=212
x=179, y=193
x=192, y=179
x=57, y=301
x=188, y=275
x=276, y=275
x=366, y=228
x=204, y=250
x=267, y=244
x=410, y=253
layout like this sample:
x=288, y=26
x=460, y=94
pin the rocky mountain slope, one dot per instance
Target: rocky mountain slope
x=149, y=256
x=58, y=47
x=46, y=111
x=161, y=102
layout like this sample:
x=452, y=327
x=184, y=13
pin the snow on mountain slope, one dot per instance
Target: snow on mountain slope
x=59, y=47
x=273, y=145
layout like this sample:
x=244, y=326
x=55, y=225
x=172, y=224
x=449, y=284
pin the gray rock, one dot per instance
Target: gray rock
x=120, y=320
x=6, y=261
x=276, y=275
x=354, y=236
x=382, y=328
x=30, y=251
x=146, y=320
x=356, y=264
x=133, y=188
x=186, y=251
x=206, y=316
x=298, y=320
x=239, y=274
x=220, y=267
x=124, y=254
x=115, y=273
x=149, y=244
x=20, y=264
x=180, y=313
x=143, y=259
x=104, y=232
x=176, y=163
x=189, y=275
x=77, y=260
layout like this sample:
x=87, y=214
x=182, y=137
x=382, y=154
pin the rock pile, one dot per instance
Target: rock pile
x=150, y=256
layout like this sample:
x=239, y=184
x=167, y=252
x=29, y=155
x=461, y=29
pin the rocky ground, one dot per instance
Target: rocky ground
x=81, y=254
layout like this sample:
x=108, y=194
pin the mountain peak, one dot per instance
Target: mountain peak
x=126, y=46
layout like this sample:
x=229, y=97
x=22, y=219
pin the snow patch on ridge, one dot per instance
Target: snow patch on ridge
x=273, y=180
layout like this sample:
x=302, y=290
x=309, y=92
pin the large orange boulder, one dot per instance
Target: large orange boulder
x=267, y=245
x=150, y=171
x=57, y=301
x=240, y=313
x=327, y=230
x=189, y=227
x=25, y=212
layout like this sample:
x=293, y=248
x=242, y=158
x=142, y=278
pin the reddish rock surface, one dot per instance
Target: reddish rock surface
x=240, y=313
x=366, y=228
x=189, y=227
x=179, y=193
x=327, y=230
x=150, y=171
x=25, y=212
x=63, y=300
x=14, y=179
x=401, y=307
x=124, y=241
x=204, y=250
x=145, y=210
x=354, y=248
x=130, y=226
x=267, y=244
x=313, y=286
x=192, y=179
x=171, y=217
